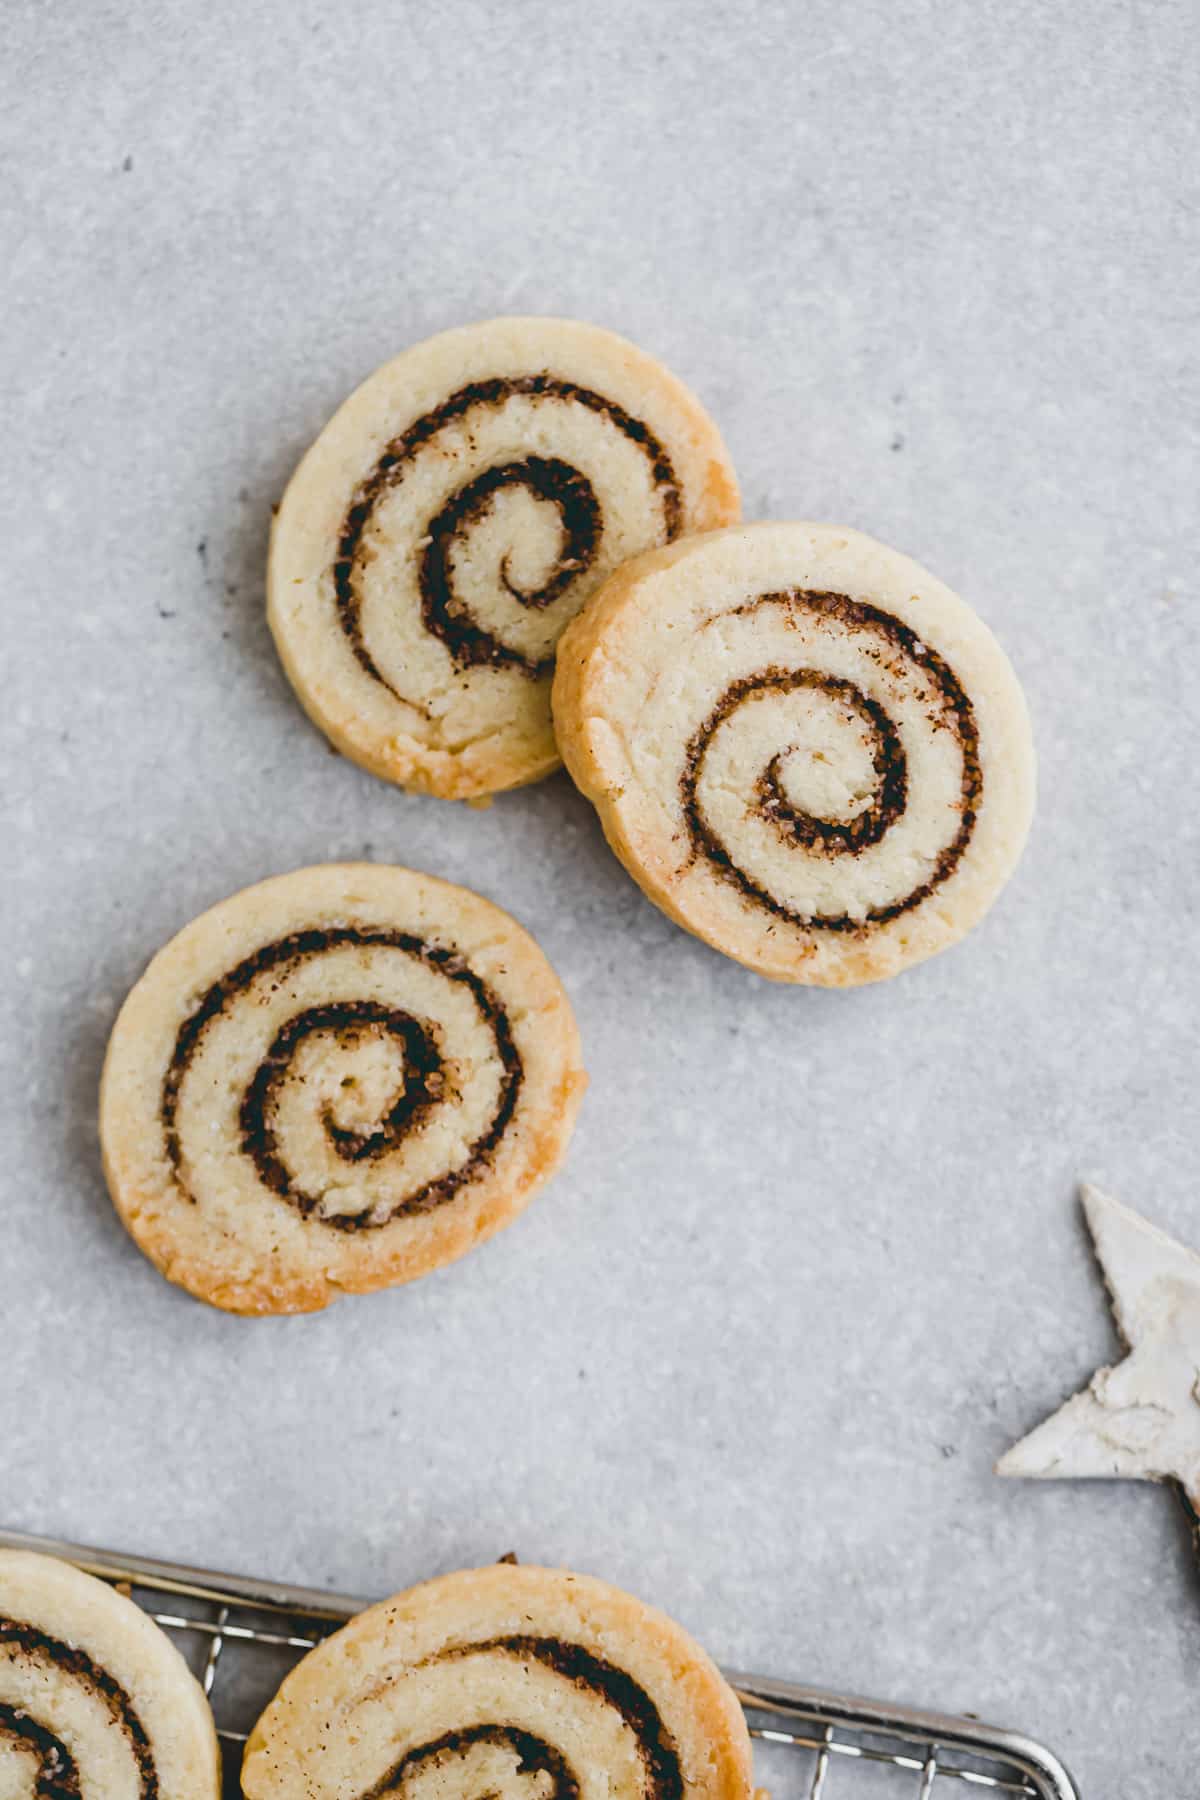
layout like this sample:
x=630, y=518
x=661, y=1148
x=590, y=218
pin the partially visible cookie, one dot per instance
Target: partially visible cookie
x=516, y=1683
x=805, y=748
x=451, y=518
x=335, y=1081
x=1140, y=1419
x=94, y=1699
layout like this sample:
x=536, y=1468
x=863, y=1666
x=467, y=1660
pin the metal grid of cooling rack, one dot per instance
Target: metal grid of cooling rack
x=241, y=1636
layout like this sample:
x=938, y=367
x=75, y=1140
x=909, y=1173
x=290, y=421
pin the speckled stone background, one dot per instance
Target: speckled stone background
x=815, y=1259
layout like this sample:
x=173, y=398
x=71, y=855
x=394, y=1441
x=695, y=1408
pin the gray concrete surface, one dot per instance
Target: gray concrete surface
x=815, y=1260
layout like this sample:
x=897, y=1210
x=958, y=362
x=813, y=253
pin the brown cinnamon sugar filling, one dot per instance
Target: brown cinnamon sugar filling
x=583, y=1669
x=948, y=708
x=424, y=1087
x=534, y=1756
x=548, y=479
x=58, y=1778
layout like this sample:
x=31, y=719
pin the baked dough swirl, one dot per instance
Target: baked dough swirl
x=338, y=1079
x=518, y=1683
x=453, y=516
x=805, y=748
x=94, y=1699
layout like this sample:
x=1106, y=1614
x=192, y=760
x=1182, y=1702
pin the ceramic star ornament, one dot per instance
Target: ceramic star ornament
x=1139, y=1420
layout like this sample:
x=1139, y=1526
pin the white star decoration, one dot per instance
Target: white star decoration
x=1141, y=1419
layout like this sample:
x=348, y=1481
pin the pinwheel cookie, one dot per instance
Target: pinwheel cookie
x=805, y=748
x=334, y=1081
x=517, y=1683
x=94, y=1700
x=453, y=516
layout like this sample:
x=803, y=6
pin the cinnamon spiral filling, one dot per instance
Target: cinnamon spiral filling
x=894, y=651
x=546, y=479
x=58, y=1777
x=532, y=1754
x=428, y=1071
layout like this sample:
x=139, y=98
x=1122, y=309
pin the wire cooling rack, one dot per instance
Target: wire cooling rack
x=241, y=1636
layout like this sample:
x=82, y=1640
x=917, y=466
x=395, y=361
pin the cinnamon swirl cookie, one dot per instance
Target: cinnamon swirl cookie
x=450, y=519
x=503, y=1684
x=806, y=749
x=94, y=1699
x=335, y=1081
